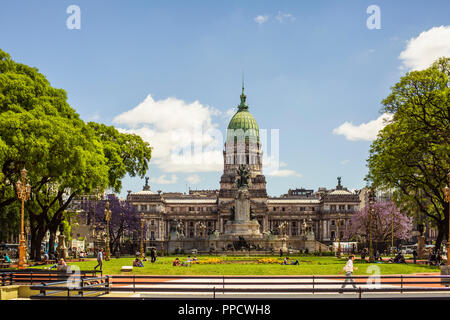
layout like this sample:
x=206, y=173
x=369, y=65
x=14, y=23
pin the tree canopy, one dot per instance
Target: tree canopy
x=64, y=156
x=412, y=153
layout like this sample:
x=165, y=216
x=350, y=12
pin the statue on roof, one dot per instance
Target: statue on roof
x=146, y=187
x=339, y=186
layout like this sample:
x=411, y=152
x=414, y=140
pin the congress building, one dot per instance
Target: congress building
x=298, y=220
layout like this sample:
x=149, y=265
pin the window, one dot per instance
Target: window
x=302, y=208
x=332, y=222
x=153, y=222
x=283, y=209
x=274, y=209
x=342, y=207
x=172, y=209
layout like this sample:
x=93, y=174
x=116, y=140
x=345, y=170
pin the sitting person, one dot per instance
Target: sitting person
x=189, y=259
x=176, y=262
x=286, y=261
x=195, y=259
x=6, y=258
x=398, y=258
x=61, y=266
x=295, y=263
x=138, y=263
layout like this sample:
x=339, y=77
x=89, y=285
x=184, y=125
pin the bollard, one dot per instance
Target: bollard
x=313, y=285
x=401, y=284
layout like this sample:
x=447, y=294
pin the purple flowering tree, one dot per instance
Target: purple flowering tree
x=382, y=217
x=125, y=220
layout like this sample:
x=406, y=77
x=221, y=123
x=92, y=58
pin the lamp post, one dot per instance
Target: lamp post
x=371, y=211
x=23, y=193
x=27, y=229
x=201, y=228
x=446, y=190
x=392, y=228
x=339, y=235
x=142, y=237
x=107, y=218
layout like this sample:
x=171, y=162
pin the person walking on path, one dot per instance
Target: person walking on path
x=153, y=255
x=349, y=273
x=414, y=253
x=99, y=260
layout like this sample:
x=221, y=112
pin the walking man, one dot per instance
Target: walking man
x=153, y=255
x=99, y=260
x=414, y=255
x=349, y=273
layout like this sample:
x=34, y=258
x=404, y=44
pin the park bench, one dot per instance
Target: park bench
x=4, y=264
x=127, y=268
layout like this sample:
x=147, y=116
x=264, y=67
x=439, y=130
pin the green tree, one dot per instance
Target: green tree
x=64, y=156
x=411, y=154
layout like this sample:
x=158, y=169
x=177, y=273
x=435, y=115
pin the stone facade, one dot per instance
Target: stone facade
x=201, y=214
x=198, y=219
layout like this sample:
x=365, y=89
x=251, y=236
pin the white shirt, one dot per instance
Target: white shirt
x=349, y=266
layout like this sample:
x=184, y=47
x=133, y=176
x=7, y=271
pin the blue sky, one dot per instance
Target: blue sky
x=309, y=67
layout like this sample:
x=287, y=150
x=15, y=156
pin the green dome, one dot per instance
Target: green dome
x=244, y=120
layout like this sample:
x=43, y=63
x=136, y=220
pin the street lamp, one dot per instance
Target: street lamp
x=392, y=228
x=23, y=193
x=27, y=229
x=201, y=228
x=339, y=235
x=446, y=190
x=107, y=218
x=142, y=237
x=371, y=211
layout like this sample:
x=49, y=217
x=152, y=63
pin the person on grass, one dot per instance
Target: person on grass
x=99, y=260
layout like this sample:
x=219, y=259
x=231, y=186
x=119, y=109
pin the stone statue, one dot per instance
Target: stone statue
x=242, y=180
x=252, y=215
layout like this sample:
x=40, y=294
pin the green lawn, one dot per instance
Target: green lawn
x=309, y=265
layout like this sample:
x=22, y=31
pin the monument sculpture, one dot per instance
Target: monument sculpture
x=240, y=223
x=62, y=249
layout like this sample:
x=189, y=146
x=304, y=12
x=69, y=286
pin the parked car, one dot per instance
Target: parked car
x=408, y=249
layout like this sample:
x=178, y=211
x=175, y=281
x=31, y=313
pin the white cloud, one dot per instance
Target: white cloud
x=423, y=50
x=163, y=180
x=193, y=179
x=344, y=162
x=365, y=131
x=183, y=135
x=284, y=173
x=283, y=17
x=261, y=19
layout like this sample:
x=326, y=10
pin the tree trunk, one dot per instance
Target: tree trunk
x=51, y=241
x=441, y=233
x=36, y=240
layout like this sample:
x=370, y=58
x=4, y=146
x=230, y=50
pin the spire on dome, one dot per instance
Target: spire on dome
x=243, y=106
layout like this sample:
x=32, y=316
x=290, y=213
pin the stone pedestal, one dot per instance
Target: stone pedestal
x=445, y=271
x=421, y=254
x=62, y=249
x=241, y=225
